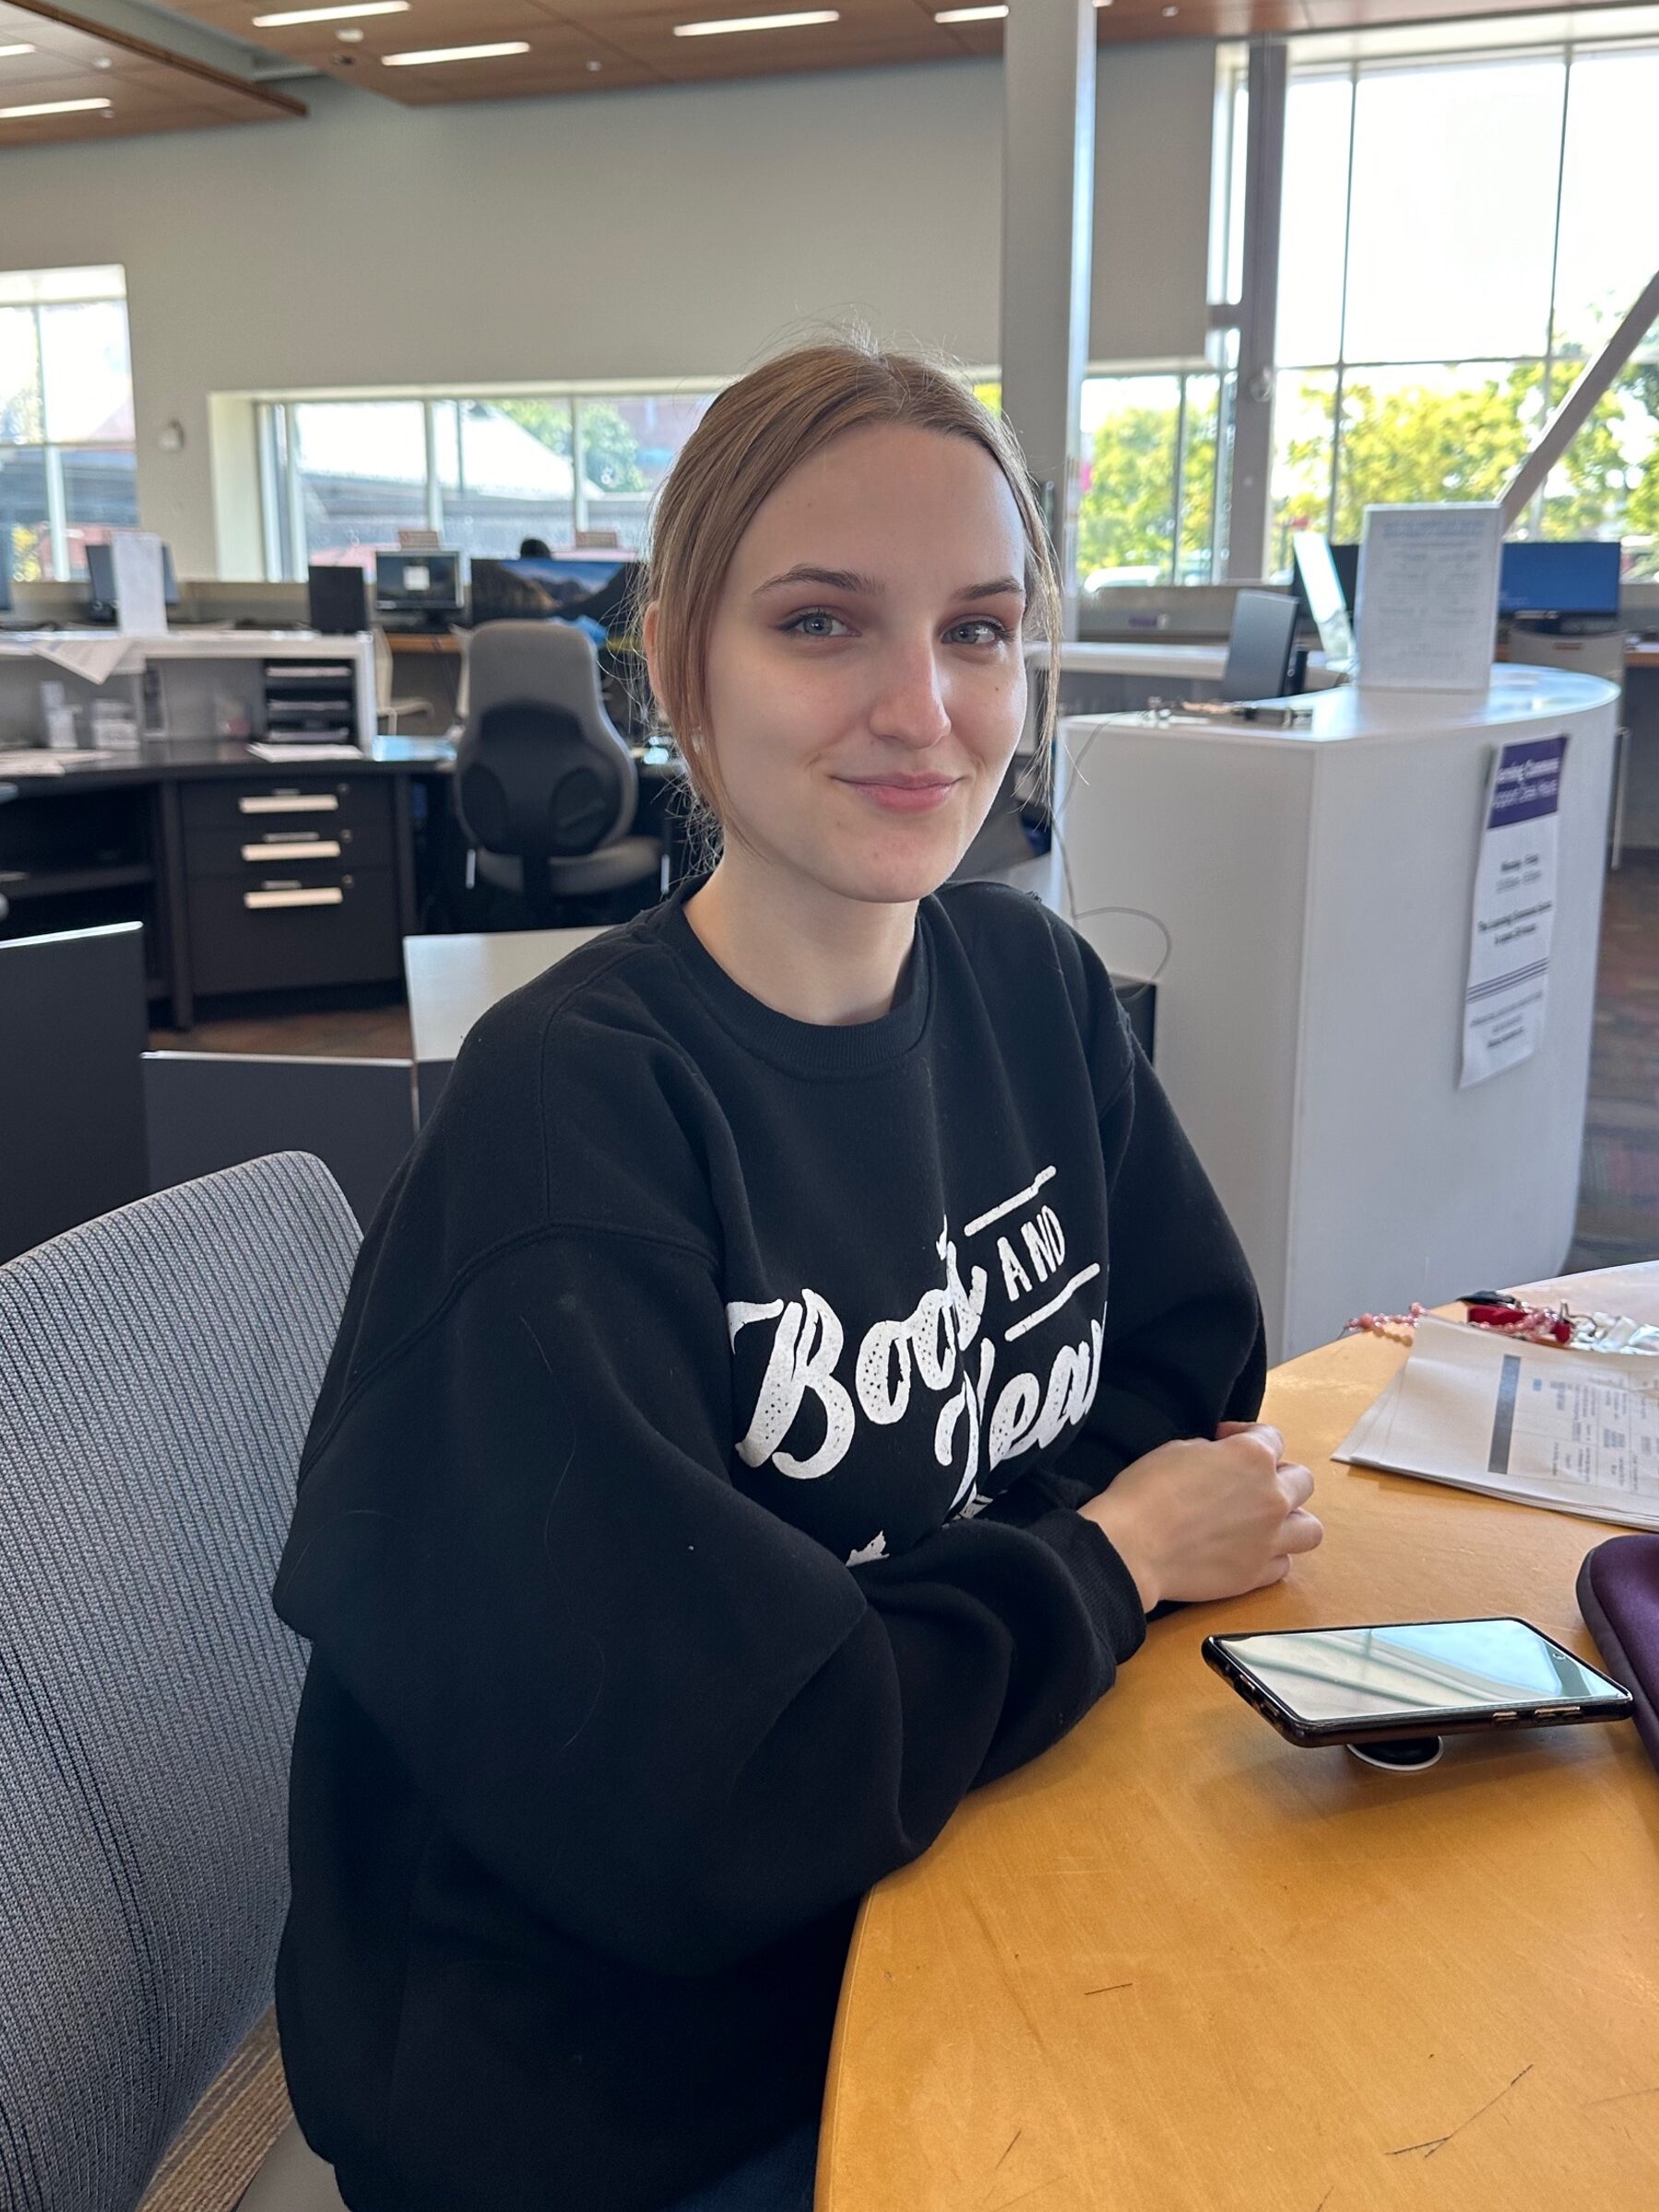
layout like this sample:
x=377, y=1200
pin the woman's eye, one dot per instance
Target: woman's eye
x=815, y=622
x=984, y=632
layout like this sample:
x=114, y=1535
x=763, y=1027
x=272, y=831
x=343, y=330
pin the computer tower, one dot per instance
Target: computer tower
x=339, y=599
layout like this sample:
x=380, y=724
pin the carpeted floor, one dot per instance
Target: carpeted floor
x=1618, y=1198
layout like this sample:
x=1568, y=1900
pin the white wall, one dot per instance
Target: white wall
x=672, y=234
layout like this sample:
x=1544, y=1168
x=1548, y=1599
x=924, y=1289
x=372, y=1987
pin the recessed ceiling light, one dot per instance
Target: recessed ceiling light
x=970, y=14
x=596, y=64
x=714, y=30
x=454, y=54
x=330, y=15
x=51, y=107
x=6, y=50
x=350, y=36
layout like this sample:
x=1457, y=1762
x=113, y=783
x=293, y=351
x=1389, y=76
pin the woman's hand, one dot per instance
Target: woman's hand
x=1196, y=1520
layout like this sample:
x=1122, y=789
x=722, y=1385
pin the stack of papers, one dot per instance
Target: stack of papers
x=296, y=750
x=1578, y=1432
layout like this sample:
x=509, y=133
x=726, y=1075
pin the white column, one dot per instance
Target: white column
x=1047, y=235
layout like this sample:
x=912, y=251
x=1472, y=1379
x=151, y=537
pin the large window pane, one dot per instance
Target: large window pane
x=23, y=513
x=1433, y=432
x=100, y=495
x=1453, y=212
x=1606, y=484
x=1201, y=424
x=362, y=468
x=629, y=443
x=21, y=418
x=1318, y=116
x=1609, y=245
x=1126, y=515
x=1304, y=419
x=87, y=373
x=505, y=472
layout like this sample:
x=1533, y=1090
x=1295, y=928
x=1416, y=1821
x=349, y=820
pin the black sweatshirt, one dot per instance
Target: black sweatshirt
x=688, y=1523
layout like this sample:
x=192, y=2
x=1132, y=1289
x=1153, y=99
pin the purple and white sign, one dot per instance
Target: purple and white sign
x=1514, y=908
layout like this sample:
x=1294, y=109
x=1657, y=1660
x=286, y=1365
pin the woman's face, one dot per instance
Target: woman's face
x=866, y=685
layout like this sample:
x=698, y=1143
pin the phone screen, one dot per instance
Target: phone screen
x=1412, y=1667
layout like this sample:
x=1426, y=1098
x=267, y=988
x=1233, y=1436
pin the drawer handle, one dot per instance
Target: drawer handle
x=293, y=848
x=291, y=802
x=324, y=895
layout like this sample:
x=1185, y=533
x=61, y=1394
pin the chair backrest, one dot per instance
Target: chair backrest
x=157, y=1370
x=541, y=773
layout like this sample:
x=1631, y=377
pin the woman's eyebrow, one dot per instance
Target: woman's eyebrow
x=868, y=588
x=833, y=579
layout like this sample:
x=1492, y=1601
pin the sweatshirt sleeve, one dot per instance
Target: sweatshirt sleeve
x=670, y=1721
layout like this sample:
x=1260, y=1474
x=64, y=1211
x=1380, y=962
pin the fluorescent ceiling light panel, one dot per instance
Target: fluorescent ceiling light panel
x=51, y=107
x=714, y=30
x=8, y=50
x=330, y=15
x=456, y=53
x=971, y=15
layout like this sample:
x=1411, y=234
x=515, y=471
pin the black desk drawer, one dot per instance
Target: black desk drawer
x=288, y=929
x=272, y=843
x=276, y=800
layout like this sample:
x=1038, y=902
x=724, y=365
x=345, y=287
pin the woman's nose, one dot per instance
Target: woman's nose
x=909, y=703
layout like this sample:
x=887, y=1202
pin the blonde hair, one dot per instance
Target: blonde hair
x=751, y=437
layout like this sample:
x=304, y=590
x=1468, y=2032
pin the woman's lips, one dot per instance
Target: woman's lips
x=899, y=797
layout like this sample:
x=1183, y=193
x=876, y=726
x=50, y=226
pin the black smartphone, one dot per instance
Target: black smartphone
x=1380, y=1683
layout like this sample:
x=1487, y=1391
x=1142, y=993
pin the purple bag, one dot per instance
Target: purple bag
x=1618, y=1596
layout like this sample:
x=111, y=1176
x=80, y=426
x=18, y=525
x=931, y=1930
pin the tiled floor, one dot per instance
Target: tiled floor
x=1618, y=1199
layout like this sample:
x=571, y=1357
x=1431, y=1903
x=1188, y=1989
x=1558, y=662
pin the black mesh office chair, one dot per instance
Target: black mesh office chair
x=545, y=785
x=6, y=791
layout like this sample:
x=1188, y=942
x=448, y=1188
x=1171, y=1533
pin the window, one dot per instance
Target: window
x=67, y=471
x=342, y=476
x=1152, y=452
x=1458, y=236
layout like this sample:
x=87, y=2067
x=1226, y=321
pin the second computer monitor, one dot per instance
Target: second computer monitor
x=101, y=576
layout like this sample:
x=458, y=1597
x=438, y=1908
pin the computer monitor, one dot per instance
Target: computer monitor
x=534, y=590
x=1575, y=577
x=100, y=576
x=1261, y=646
x=428, y=584
x=1321, y=592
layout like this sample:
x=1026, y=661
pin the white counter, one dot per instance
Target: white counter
x=1315, y=884
x=96, y=657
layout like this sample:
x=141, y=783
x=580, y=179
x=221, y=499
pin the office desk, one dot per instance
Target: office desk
x=206, y=845
x=1176, y=1965
x=451, y=981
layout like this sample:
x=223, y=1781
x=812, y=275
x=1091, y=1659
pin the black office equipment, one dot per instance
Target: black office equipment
x=338, y=600
x=5, y=570
x=311, y=702
x=1541, y=577
x=1344, y=560
x=100, y=576
x=209, y=1110
x=75, y=1017
x=423, y=589
x=1260, y=647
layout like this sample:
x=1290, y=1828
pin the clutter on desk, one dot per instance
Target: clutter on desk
x=1575, y=1429
x=1501, y=1310
x=1618, y=1596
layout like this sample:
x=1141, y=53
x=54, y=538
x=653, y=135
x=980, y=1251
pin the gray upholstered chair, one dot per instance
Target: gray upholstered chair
x=544, y=782
x=158, y=1369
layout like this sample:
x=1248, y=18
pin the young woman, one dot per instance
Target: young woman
x=798, y=1353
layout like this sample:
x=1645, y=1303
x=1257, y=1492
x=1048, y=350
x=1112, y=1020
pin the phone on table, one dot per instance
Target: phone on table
x=1399, y=1679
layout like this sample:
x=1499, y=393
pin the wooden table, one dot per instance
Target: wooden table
x=1176, y=1965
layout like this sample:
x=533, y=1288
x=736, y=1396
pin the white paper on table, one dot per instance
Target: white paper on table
x=1427, y=597
x=1513, y=921
x=1576, y=1432
x=301, y=751
x=140, y=583
x=95, y=658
